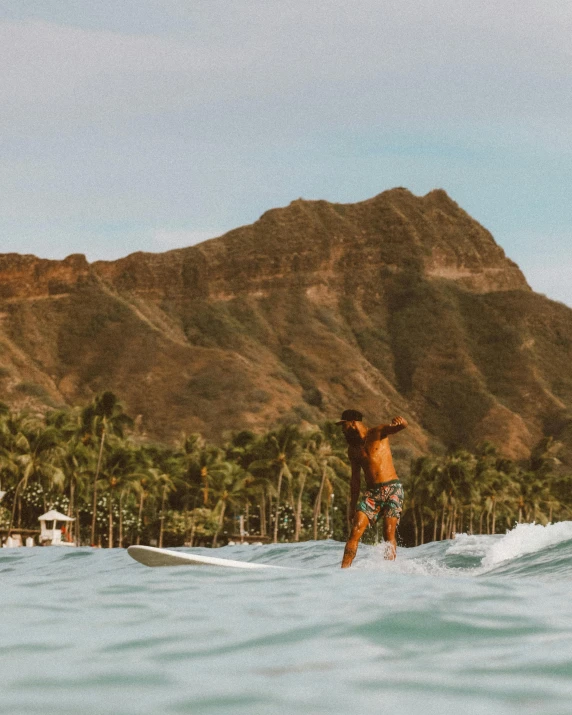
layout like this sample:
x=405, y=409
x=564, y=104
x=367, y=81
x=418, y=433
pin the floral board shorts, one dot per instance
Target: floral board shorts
x=385, y=499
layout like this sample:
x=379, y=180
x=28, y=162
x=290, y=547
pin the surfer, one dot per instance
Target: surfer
x=368, y=449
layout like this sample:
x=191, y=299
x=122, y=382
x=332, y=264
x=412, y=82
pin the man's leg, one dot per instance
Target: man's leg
x=359, y=525
x=389, y=528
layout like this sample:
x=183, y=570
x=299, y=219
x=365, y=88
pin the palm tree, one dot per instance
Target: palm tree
x=419, y=494
x=75, y=461
x=461, y=467
x=167, y=473
x=38, y=455
x=119, y=476
x=301, y=472
x=561, y=489
x=144, y=488
x=256, y=487
x=101, y=417
x=493, y=477
x=9, y=431
x=227, y=488
x=328, y=465
x=12, y=443
x=278, y=452
x=189, y=455
x=241, y=449
x=199, y=467
x=534, y=496
x=452, y=488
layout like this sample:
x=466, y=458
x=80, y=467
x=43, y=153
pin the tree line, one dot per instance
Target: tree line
x=486, y=493
x=286, y=484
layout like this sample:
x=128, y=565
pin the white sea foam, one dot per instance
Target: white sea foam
x=526, y=539
x=483, y=552
x=476, y=545
x=522, y=539
x=409, y=561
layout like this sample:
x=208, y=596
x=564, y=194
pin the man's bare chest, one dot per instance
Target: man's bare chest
x=367, y=453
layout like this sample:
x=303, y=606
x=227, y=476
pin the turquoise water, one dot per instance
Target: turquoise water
x=480, y=624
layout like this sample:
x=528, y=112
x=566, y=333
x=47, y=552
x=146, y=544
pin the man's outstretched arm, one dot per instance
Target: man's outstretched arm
x=396, y=425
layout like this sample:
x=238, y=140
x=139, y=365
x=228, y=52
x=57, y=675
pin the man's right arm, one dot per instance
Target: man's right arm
x=396, y=425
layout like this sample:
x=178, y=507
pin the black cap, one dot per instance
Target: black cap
x=350, y=416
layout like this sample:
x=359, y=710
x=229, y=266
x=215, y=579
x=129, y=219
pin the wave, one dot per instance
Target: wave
x=524, y=551
x=527, y=550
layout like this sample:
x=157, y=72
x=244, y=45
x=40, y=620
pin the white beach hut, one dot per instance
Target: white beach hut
x=50, y=534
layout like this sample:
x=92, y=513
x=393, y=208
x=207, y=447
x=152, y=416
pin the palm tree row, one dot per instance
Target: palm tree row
x=120, y=489
x=283, y=485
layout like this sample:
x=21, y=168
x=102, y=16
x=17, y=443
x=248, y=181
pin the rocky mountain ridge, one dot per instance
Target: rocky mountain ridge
x=398, y=304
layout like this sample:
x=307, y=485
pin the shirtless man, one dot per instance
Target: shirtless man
x=369, y=450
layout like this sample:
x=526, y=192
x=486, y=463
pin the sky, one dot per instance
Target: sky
x=155, y=124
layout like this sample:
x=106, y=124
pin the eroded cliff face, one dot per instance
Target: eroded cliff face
x=315, y=243
x=28, y=277
x=398, y=304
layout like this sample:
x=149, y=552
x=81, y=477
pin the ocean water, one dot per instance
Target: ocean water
x=479, y=624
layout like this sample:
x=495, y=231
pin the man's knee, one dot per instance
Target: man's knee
x=359, y=525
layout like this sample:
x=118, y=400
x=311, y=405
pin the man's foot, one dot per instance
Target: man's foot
x=390, y=551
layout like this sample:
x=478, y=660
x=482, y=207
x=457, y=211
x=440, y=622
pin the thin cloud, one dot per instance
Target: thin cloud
x=329, y=63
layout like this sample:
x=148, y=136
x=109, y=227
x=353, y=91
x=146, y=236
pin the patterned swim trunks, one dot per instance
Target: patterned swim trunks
x=385, y=499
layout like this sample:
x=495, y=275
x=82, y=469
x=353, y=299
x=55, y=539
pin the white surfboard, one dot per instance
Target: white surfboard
x=152, y=556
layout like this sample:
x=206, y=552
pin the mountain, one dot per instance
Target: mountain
x=395, y=305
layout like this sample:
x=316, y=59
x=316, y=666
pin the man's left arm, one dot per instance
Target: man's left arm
x=396, y=425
